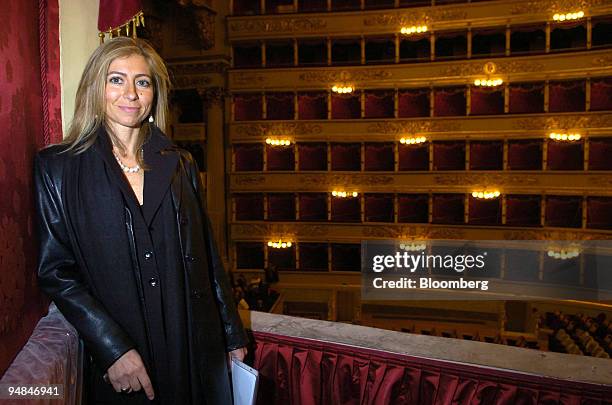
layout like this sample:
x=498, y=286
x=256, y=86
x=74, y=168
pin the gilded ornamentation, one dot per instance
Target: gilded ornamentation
x=484, y=180
x=501, y=67
x=240, y=180
x=269, y=230
x=241, y=79
x=212, y=95
x=182, y=69
x=601, y=181
x=277, y=25
x=603, y=61
x=554, y=235
x=412, y=232
x=565, y=122
x=552, y=6
x=416, y=18
x=345, y=75
x=413, y=127
x=345, y=180
x=265, y=129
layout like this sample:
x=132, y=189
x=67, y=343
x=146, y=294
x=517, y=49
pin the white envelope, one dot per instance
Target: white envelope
x=244, y=383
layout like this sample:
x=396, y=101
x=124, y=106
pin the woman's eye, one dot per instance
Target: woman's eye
x=115, y=80
x=143, y=83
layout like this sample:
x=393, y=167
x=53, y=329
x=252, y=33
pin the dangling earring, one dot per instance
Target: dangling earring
x=151, y=120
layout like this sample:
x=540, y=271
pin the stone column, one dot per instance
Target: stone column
x=214, y=98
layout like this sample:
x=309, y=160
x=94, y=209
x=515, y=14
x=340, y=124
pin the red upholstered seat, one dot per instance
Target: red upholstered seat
x=313, y=256
x=313, y=206
x=280, y=106
x=600, y=150
x=525, y=154
x=565, y=155
x=413, y=157
x=281, y=207
x=486, y=155
x=378, y=207
x=312, y=106
x=346, y=156
x=249, y=206
x=379, y=103
x=280, y=158
x=448, y=209
x=413, y=103
x=449, y=155
x=526, y=98
x=413, y=208
x=449, y=102
x=599, y=212
x=248, y=157
x=484, y=212
x=248, y=107
x=379, y=156
x=312, y=156
x=564, y=211
x=523, y=210
x=249, y=255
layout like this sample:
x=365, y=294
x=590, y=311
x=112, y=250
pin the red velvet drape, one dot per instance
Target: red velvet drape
x=114, y=13
x=307, y=372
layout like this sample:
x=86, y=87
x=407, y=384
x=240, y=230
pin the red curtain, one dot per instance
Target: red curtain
x=413, y=157
x=313, y=206
x=379, y=103
x=313, y=256
x=599, y=212
x=30, y=117
x=600, y=150
x=379, y=157
x=413, y=208
x=564, y=211
x=526, y=98
x=601, y=94
x=413, y=103
x=449, y=102
x=565, y=155
x=566, y=96
x=346, y=209
x=312, y=106
x=523, y=210
x=308, y=372
x=247, y=107
x=486, y=101
x=378, y=207
x=484, y=212
x=248, y=157
x=449, y=155
x=346, y=257
x=346, y=156
x=249, y=207
x=113, y=13
x=280, y=158
x=312, y=156
x=486, y=155
x=346, y=106
x=281, y=207
x=280, y=106
x=448, y=209
x=525, y=154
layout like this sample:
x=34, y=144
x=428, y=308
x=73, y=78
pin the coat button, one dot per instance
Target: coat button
x=189, y=258
x=196, y=294
x=148, y=255
x=153, y=282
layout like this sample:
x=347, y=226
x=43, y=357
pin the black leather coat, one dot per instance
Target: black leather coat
x=108, y=311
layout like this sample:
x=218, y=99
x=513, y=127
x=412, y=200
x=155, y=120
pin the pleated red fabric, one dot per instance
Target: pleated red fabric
x=300, y=371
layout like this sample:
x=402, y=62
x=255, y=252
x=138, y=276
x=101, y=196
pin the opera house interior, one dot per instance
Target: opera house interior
x=322, y=127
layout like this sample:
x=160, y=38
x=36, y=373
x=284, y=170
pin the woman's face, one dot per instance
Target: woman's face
x=128, y=92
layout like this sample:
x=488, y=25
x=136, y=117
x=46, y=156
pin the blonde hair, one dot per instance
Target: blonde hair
x=90, y=109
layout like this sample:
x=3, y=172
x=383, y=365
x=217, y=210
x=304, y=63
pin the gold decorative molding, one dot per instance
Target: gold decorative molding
x=241, y=78
x=554, y=235
x=286, y=128
x=602, y=61
x=552, y=6
x=191, y=82
x=601, y=181
x=278, y=25
x=345, y=75
x=182, y=69
x=346, y=180
x=497, y=67
x=565, y=122
x=412, y=127
x=249, y=180
x=212, y=95
x=476, y=179
x=412, y=232
x=416, y=18
x=268, y=230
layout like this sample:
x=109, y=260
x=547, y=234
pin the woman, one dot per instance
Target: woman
x=126, y=250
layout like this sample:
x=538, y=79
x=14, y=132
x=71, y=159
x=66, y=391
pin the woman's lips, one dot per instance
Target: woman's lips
x=129, y=109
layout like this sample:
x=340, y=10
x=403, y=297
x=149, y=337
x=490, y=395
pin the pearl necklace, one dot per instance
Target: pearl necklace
x=126, y=169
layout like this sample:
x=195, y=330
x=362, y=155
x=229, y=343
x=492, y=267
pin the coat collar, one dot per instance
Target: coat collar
x=161, y=158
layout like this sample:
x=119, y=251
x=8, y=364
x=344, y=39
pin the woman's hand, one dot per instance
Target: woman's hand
x=128, y=374
x=237, y=354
